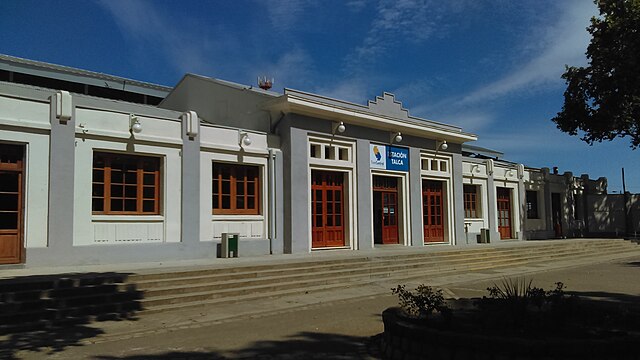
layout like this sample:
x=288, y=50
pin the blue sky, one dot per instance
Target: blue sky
x=492, y=67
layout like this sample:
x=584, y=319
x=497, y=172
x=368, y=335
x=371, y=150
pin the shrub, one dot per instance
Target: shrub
x=421, y=304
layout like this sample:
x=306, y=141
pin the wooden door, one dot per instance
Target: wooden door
x=11, y=193
x=327, y=209
x=385, y=191
x=504, y=212
x=432, y=211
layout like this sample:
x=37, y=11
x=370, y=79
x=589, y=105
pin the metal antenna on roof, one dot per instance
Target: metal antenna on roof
x=264, y=83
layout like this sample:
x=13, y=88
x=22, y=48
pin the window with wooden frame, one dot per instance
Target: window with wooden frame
x=471, y=203
x=125, y=184
x=236, y=189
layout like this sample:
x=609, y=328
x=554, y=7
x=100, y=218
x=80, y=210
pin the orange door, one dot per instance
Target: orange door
x=385, y=192
x=432, y=211
x=504, y=212
x=327, y=209
x=11, y=173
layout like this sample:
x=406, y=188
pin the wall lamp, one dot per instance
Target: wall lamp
x=243, y=138
x=338, y=128
x=442, y=145
x=395, y=137
x=134, y=124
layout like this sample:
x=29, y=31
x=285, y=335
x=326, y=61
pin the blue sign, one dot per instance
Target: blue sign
x=397, y=158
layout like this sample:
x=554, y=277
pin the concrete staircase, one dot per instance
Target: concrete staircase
x=219, y=285
x=42, y=301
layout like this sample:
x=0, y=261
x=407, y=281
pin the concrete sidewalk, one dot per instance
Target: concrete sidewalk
x=319, y=325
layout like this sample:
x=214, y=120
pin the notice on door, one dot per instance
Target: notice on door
x=388, y=157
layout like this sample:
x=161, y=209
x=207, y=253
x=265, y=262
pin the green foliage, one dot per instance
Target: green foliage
x=421, y=304
x=602, y=100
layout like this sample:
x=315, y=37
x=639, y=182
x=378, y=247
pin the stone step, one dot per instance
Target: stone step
x=204, y=293
x=204, y=275
x=347, y=268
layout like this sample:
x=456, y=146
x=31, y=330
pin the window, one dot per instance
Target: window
x=235, y=189
x=532, y=204
x=471, y=204
x=125, y=184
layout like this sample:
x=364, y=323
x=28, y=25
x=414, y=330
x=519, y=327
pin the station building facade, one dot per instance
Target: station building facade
x=91, y=175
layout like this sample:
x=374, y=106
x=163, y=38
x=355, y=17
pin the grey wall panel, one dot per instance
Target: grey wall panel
x=61, y=179
x=190, y=219
x=299, y=192
x=415, y=198
x=492, y=206
x=277, y=244
x=458, y=201
x=365, y=210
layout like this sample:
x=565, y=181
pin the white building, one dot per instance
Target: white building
x=90, y=174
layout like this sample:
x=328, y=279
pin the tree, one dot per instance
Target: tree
x=602, y=100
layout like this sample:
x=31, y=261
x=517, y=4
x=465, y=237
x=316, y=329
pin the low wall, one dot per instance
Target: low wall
x=407, y=339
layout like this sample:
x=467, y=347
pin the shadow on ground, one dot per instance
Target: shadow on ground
x=48, y=313
x=304, y=345
x=46, y=342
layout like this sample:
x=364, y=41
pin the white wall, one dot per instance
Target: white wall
x=27, y=122
x=221, y=144
x=101, y=130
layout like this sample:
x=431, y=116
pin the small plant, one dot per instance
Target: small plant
x=421, y=304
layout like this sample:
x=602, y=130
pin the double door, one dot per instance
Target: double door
x=327, y=209
x=11, y=199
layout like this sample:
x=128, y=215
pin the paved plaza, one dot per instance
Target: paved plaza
x=331, y=325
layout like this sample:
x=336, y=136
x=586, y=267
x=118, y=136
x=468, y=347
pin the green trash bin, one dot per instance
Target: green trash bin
x=229, y=246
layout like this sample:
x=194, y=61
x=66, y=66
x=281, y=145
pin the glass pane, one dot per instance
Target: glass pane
x=116, y=205
x=151, y=164
x=131, y=177
x=239, y=188
x=329, y=220
x=130, y=205
x=9, y=182
x=215, y=201
x=98, y=190
x=116, y=190
x=226, y=202
x=318, y=208
x=251, y=188
x=338, y=220
x=226, y=187
x=215, y=186
x=148, y=206
x=149, y=179
x=318, y=195
x=130, y=191
x=9, y=202
x=8, y=221
x=319, y=221
x=117, y=177
x=97, y=204
x=329, y=195
x=251, y=202
x=98, y=176
x=149, y=192
x=239, y=202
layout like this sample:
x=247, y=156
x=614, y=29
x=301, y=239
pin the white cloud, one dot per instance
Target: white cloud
x=562, y=43
x=143, y=23
x=285, y=14
x=399, y=21
x=353, y=90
